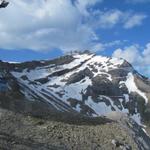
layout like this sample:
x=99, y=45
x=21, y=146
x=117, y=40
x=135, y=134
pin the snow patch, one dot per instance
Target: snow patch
x=131, y=85
x=100, y=108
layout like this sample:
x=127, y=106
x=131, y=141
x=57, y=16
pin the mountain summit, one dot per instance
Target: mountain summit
x=80, y=83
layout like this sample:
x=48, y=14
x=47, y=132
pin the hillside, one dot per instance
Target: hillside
x=83, y=93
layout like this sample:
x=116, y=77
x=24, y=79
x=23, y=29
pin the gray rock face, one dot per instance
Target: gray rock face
x=76, y=77
x=103, y=86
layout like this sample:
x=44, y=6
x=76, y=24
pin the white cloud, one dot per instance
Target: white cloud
x=41, y=25
x=111, y=18
x=82, y=5
x=146, y=54
x=44, y=25
x=136, y=56
x=134, y=20
x=130, y=53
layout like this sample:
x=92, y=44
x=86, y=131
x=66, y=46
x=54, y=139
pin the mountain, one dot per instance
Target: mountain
x=77, y=86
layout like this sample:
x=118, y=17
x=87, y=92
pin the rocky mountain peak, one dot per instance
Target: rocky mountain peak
x=77, y=87
x=84, y=83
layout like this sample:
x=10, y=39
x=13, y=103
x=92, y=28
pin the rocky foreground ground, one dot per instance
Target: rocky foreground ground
x=24, y=132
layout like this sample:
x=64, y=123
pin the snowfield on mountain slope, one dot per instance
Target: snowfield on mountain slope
x=57, y=87
x=130, y=84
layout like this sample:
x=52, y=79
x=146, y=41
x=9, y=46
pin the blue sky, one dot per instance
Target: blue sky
x=39, y=29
